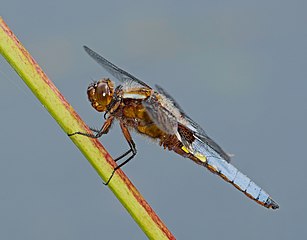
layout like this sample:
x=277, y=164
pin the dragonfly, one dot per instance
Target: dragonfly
x=155, y=113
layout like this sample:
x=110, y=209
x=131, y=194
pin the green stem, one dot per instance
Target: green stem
x=54, y=102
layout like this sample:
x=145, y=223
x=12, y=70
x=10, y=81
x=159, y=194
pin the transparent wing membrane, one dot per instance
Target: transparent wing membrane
x=115, y=71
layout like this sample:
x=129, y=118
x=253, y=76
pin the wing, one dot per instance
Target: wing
x=166, y=94
x=202, y=142
x=115, y=71
x=160, y=115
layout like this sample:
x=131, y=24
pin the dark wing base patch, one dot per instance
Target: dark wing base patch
x=203, y=140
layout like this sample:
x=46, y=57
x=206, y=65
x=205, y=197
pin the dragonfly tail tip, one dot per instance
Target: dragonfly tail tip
x=271, y=204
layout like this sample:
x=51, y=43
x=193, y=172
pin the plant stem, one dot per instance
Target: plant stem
x=54, y=102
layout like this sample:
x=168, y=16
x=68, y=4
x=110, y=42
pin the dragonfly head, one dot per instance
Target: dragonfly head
x=100, y=94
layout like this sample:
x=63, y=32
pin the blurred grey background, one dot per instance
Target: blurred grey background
x=238, y=68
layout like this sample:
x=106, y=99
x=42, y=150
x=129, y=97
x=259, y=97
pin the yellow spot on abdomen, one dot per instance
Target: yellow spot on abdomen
x=185, y=149
x=197, y=155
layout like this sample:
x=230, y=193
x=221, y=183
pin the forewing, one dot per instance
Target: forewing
x=160, y=115
x=115, y=71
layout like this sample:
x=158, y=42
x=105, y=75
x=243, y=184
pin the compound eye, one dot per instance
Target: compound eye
x=100, y=94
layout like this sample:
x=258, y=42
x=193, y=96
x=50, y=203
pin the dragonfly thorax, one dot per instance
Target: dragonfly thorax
x=100, y=94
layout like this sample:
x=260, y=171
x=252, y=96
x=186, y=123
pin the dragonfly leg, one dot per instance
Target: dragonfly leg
x=131, y=150
x=104, y=129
